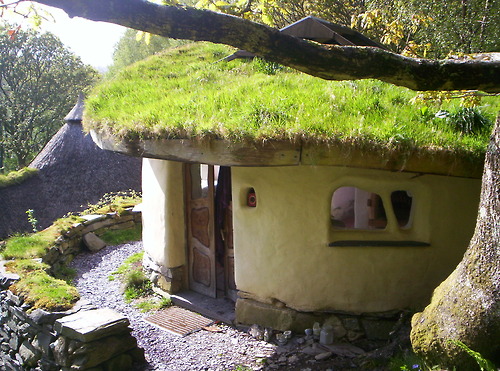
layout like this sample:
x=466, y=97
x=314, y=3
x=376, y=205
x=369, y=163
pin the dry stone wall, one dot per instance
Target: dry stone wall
x=82, y=338
x=86, y=234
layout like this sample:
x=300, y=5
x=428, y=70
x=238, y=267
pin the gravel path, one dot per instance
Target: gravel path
x=201, y=350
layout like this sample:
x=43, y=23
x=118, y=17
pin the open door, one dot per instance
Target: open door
x=200, y=228
x=210, y=230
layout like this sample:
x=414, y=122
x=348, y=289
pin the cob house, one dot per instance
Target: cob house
x=288, y=201
x=72, y=172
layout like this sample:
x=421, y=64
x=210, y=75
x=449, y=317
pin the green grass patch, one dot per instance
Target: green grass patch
x=138, y=289
x=152, y=303
x=114, y=202
x=39, y=289
x=187, y=92
x=16, y=177
x=36, y=245
x=27, y=246
x=114, y=237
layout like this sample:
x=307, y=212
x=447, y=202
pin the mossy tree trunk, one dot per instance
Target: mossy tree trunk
x=466, y=306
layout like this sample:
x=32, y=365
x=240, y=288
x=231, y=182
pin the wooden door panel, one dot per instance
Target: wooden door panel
x=199, y=225
x=201, y=244
x=202, y=270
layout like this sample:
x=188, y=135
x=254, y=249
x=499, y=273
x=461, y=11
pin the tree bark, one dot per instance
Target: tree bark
x=466, y=306
x=335, y=63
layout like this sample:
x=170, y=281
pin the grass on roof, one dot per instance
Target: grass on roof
x=189, y=92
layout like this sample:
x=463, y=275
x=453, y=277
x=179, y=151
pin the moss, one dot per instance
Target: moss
x=16, y=177
x=40, y=290
x=114, y=202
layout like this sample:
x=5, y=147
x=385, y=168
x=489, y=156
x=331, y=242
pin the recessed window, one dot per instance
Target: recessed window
x=355, y=208
x=402, y=202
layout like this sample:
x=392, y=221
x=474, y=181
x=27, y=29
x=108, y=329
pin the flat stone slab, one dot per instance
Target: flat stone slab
x=92, y=218
x=92, y=324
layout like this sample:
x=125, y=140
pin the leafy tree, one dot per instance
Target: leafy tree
x=280, y=13
x=466, y=306
x=457, y=26
x=39, y=82
x=131, y=48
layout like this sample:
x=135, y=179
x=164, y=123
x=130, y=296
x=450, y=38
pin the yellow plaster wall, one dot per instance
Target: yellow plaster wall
x=281, y=246
x=163, y=212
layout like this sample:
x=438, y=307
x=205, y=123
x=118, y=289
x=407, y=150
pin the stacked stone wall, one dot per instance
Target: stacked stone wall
x=82, y=338
x=71, y=242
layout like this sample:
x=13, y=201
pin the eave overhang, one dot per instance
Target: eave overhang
x=286, y=153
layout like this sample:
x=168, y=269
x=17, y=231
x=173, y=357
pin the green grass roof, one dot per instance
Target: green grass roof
x=189, y=92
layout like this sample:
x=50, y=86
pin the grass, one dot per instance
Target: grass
x=27, y=246
x=36, y=245
x=188, y=92
x=16, y=177
x=114, y=237
x=114, y=202
x=39, y=289
x=138, y=289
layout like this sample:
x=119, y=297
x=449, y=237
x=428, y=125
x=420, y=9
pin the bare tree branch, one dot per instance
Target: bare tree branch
x=335, y=63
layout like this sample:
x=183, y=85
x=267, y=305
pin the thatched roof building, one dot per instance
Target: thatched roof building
x=73, y=172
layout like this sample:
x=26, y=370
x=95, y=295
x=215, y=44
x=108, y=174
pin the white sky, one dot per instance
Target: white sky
x=94, y=42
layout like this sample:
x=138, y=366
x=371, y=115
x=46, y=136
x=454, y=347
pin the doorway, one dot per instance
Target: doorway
x=210, y=230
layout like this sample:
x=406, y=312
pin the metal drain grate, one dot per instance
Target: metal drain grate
x=178, y=321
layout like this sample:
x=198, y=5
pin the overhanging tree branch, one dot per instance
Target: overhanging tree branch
x=335, y=63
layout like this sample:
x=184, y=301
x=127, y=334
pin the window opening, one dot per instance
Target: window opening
x=199, y=180
x=402, y=202
x=354, y=208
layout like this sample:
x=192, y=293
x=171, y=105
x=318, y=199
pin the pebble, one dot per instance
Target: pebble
x=323, y=356
x=202, y=350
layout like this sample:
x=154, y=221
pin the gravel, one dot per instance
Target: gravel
x=203, y=350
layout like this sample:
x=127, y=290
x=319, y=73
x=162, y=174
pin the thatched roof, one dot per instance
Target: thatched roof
x=73, y=172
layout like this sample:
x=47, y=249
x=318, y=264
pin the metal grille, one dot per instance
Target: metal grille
x=178, y=321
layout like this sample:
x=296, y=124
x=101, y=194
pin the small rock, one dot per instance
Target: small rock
x=293, y=359
x=323, y=356
x=93, y=242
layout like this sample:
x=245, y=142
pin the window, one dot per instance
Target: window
x=354, y=208
x=402, y=202
x=389, y=213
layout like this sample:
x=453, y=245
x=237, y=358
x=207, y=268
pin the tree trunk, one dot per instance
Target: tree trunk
x=466, y=306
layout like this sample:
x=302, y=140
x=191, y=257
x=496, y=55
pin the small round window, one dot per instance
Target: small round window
x=354, y=208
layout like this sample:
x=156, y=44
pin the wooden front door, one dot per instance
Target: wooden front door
x=200, y=220
x=210, y=230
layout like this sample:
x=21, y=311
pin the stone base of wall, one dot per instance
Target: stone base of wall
x=346, y=327
x=82, y=338
x=168, y=280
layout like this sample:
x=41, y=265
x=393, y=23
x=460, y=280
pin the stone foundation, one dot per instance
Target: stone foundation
x=168, y=280
x=346, y=327
x=78, y=339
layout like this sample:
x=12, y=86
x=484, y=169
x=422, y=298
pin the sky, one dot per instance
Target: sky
x=94, y=42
